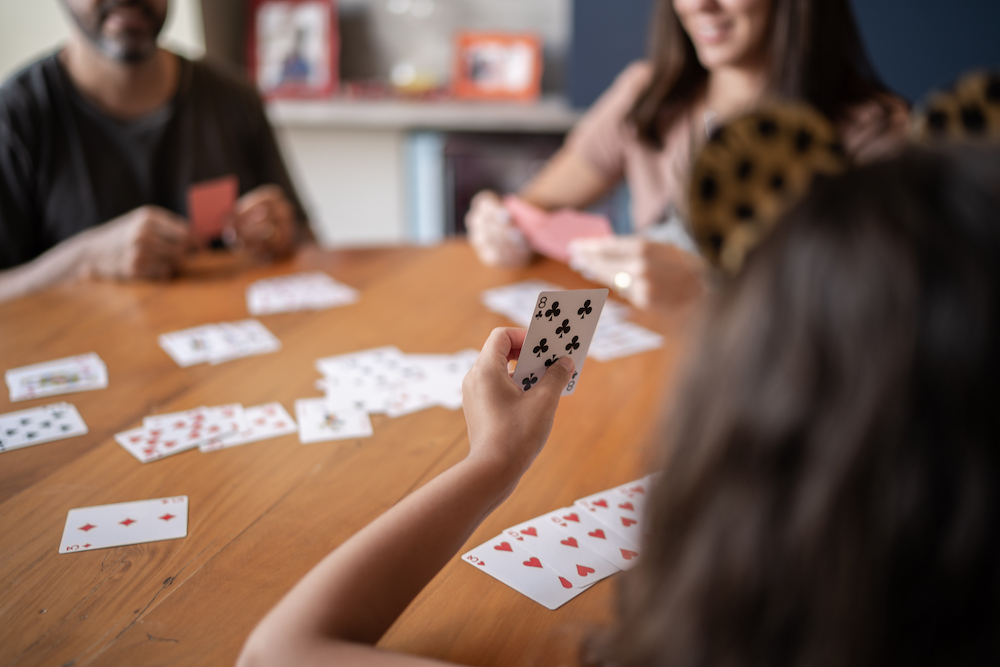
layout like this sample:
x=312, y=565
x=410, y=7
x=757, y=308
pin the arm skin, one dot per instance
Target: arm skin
x=343, y=606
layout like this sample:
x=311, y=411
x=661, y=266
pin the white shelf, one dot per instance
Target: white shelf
x=547, y=115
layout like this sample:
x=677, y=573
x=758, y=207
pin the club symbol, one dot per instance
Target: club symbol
x=573, y=344
x=46, y=424
x=25, y=421
x=586, y=310
x=549, y=362
x=553, y=311
x=564, y=329
x=528, y=381
x=64, y=428
x=539, y=315
x=543, y=346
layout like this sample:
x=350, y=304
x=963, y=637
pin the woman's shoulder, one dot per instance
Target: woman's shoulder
x=631, y=80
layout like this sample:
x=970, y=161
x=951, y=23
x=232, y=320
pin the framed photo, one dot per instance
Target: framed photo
x=294, y=47
x=495, y=65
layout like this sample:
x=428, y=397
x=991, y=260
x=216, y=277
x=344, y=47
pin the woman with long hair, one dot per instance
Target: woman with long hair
x=831, y=484
x=709, y=61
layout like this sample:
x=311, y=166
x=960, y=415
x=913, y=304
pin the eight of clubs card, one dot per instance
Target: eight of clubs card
x=563, y=325
x=103, y=526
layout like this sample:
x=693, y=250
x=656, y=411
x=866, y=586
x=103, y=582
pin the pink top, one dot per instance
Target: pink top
x=658, y=178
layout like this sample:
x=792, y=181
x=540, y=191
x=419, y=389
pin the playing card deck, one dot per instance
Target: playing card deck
x=38, y=425
x=614, y=338
x=207, y=428
x=83, y=372
x=216, y=343
x=551, y=233
x=303, y=291
x=210, y=206
x=555, y=557
x=103, y=526
x=563, y=325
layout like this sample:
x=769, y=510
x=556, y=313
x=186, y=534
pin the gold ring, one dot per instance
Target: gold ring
x=622, y=281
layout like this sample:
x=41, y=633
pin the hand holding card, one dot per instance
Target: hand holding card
x=210, y=206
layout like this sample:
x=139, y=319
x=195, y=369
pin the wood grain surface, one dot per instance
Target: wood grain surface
x=263, y=514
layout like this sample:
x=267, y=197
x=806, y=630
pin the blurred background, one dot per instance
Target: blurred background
x=428, y=101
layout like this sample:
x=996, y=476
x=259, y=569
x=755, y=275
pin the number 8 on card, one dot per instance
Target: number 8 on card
x=562, y=325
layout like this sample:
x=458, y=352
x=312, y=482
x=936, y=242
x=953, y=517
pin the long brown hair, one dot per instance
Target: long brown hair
x=832, y=489
x=816, y=56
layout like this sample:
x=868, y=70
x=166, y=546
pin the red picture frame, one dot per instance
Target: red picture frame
x=293, y=48
x=497, y=66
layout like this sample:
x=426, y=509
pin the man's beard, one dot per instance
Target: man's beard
x=129, y=46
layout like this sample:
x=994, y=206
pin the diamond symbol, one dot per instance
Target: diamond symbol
x=127, y=522
x=168, y=516
x=89, y=526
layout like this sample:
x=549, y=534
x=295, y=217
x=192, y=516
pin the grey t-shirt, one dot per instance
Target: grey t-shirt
x=65, y=166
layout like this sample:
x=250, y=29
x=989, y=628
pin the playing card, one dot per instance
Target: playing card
x=270, y=420
x=595, y=536
x=364, y=380
x=103, y=526
x=303, y=291
x=517, y=301
x=619, y=513
x=210, y=205
x=318, y=423
x=430, y=379
x=551, y=233
x=190, y=346
x=508, y=562
x=197, y=425
x=561, y=551
x=242, y=339
x=563, y=324
x=83, y=372
x=38, y=425
x=616, y=339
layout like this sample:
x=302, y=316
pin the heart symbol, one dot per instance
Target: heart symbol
x=629, y=555
x=628, y=522
x=583, y=570
x=570, y=542
x=530, y=531
x=638, y=489
x=533, y=562
x=597, y=533
x=565, y=583
x=481, y=563
x=601, y=503
x=627, y=506
x=572, y=517
x=135, y=438
x=503, y=546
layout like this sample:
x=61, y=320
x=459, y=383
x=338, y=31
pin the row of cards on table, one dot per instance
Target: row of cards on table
x=557, y=556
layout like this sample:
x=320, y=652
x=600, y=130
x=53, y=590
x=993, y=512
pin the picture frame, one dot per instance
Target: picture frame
x=497, y=66
x=294, y=48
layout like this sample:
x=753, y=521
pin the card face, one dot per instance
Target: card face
x=262, y=422
x=190, y=346
x=37, y=425
x=318, y=423
x=211, y=204
x=563, y=324
x=364, y=380
x=303, y=291
x=617, y=339
x=506, y=560
x=561, y=551
x=216, y=343
x=620, y=514
x=597, y=537
x=103, y=526
x=83, y=372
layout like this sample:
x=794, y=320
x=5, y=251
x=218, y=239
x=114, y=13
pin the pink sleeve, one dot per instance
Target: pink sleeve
x=602, y=134
x=875, y=129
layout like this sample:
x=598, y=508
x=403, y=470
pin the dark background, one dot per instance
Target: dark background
x=916, y=45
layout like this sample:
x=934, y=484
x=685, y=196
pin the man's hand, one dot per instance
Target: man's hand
x=492, y=235
x=264, y=223
x=148, y=243
x=507, y=425
x=647, y=273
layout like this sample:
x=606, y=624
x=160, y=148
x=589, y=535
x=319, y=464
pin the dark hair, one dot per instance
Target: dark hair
x=831, y=494
x=817, y=56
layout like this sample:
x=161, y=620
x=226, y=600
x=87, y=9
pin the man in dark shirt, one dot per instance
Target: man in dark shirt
x=101, y=141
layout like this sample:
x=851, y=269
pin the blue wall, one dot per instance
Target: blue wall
x=916, y=45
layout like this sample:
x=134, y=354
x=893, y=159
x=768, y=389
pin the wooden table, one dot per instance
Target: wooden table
x=263, y=514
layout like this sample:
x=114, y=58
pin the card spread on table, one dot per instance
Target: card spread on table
x=507, y=561
x=319, y=423
x=82, y=372
x=261, y=422
x=103, y=526
x=216, y=343
x=577, y=543
x=164, y=435
x=563, y=325
x=210, y=206
x=551, y=233
x=37, y=425
x=302, y=291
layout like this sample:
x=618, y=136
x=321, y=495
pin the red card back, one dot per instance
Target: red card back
x=210, y=204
